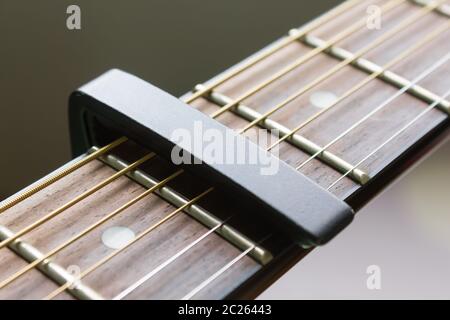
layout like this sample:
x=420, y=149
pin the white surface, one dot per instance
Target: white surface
x=117, y=237
x=322, y=99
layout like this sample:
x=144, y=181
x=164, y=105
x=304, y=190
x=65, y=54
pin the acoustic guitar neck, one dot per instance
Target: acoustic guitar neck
x=350, y=101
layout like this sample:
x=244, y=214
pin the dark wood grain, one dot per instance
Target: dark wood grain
x=247, y=278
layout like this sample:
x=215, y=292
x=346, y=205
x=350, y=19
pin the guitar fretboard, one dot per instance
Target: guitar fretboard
x=344, y=100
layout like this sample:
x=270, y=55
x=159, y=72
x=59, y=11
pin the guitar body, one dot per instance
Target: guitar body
x=181, y=257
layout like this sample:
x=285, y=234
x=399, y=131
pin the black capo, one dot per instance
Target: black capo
x=117, y=103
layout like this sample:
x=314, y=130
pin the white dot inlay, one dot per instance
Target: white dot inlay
x=322, y=99
x=117, y=237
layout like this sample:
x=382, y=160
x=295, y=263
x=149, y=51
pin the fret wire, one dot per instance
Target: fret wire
x=159, y=268
x=124, y=139
x=89, y=229
x=367, y=80
x=76, y=200
x=423, y=75
x=403, y=129
x=137, y=238
x=350, y=4
x=59, y=175
x=391, y=33
x=311, y=54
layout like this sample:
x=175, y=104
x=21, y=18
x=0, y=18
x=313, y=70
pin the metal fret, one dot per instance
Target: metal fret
x=443, y=9
x=52, y=270
x=296, y=140
x=195, y=211
x=387, y=76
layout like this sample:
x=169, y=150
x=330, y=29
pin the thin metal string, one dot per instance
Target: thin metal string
x=76, y=200
x=363, y=83
x=348, y=5
x=205, y=283
x=311, y=54
x=243, y=254
x=37, y=223
x=380, y=107
x=137, y=238
x=59, y=175
x=396, y=30
x=403, y=129
x=391, y=33
x=89, y=229
x=166, y=263
x=222, y=270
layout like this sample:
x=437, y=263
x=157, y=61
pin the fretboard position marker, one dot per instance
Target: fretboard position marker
x=307, y=57
x=423, y=75
x=76, y=200
x=347, y=5
x=166, y=263
x=90, y=228
x=386, y=36
x=140, y=236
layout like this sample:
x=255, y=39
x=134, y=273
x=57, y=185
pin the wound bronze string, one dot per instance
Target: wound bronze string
x=423, y=75
x=89, y=229
x=347, y=5
x=398, y=133
x=386, y=36
x=75, y=200
x=367, y=80
x=59, y=175
x=305, y=58
x=136, y=239
x=389, y=6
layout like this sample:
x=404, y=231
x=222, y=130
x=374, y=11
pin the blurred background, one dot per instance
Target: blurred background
x=176, y=44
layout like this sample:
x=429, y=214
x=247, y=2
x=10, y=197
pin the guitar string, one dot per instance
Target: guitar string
x=222, y=270
x=291, y=38
x=348, y=5
x=76, y=200
x=151, y=274
x=137, y=238
x=217, y=274
x=403, y=129
x=408, y=125
x=339, y=67
x=305, y=58
x=423, y=75
x=400, y=57
x=242, y=255
x=10, y=240
x=361, y=84
x=9, y=203
x=108, y=217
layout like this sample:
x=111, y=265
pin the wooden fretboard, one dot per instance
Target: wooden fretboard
x=353, y=104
